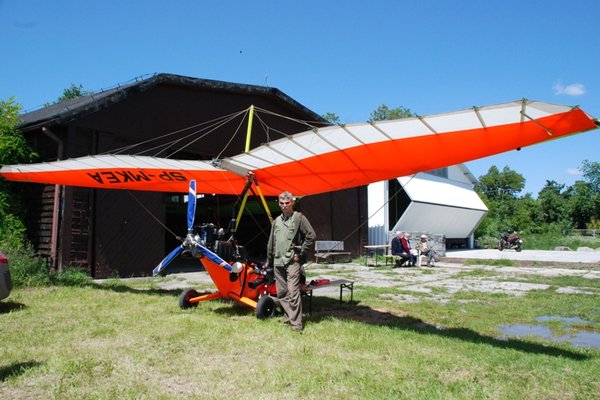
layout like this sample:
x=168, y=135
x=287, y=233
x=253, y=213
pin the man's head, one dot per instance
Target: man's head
x=423, y=238
x=286, y=203
x=398, y=234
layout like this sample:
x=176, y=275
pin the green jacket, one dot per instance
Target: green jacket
x=289, y=236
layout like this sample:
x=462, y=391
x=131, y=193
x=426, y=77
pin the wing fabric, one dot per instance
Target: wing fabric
x=341, y=157
x=128, y=172
x=330, y=158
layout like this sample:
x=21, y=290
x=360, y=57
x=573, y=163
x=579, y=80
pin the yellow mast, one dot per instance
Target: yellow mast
x=246, y=193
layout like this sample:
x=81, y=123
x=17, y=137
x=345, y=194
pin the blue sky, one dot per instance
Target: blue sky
x=346, y=57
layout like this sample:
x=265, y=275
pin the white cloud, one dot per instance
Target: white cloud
x=573, y=171
x=574, y=89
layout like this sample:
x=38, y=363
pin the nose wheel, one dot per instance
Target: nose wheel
x=185, y=296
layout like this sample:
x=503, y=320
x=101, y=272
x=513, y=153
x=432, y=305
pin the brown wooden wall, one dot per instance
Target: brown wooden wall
x=109, y=233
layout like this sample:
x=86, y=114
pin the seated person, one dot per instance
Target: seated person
x=427, y=250
x=407, y=248
x=398, y=250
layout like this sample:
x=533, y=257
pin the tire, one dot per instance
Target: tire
x=184, y=298
x=265, y=308
x=500, y=246
x=519, y=248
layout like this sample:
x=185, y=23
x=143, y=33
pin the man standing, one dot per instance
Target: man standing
x=290, y=240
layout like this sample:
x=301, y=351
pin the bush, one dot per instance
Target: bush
x=71, y=277
x=488, y=242
x=29, y=270
x=26, y=269
x=550, y=241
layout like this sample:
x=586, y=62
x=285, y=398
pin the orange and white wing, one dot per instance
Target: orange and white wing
x=128, y=172
x=340, y=157
x=330, y=158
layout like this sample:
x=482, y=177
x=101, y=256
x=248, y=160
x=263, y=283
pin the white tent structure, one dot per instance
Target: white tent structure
x=441, y=203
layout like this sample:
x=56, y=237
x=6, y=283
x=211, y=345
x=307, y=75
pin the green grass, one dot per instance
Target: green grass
x=497, y=263
x=561, y=281
x=550, y=241
x=125, y=341
x=477, y=273
x=546, y=241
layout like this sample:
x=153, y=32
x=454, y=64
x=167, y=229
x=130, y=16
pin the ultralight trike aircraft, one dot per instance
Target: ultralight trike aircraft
x=315, y=161
x=236, y=278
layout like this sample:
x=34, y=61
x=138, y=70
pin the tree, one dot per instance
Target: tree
x=13, y=150
x=74, y=91
x=552, y=202
x=332, y=118
x=384, y=113
x=591, y=173
x=582, y=204
x=497, y=185
x=13, y=147
x=498, y=191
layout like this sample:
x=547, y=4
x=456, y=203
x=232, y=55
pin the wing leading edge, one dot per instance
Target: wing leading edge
x=330, y=158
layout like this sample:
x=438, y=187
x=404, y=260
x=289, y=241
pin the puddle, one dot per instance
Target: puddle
x=564, y=320
x=578, y=339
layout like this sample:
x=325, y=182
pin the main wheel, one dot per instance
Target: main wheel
x=185, y=296
x=265, y=308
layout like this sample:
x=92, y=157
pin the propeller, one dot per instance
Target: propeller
x=167, y=260
x=192, y=243
x=191, y=210
x=189, y=241
x=235, y=268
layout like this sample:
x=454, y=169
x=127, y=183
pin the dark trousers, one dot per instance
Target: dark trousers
x=287, y=280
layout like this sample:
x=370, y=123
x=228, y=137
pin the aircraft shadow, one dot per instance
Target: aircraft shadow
x=122, y=288
x=9, y=306
x=17, y=369
x=326, y=308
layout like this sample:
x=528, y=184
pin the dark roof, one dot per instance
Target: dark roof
x=67, y=110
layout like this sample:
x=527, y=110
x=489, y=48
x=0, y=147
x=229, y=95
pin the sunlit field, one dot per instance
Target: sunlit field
x=129, y=340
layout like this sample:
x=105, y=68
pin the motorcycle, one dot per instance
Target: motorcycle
x=512, y=242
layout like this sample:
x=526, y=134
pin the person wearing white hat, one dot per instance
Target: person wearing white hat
x=426, y=249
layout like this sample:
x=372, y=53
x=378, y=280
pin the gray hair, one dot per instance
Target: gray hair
x=286, y=195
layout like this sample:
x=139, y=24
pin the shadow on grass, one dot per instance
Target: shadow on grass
x=121, y=288
x=17, y=369
x=9, y=306
x=327, y=308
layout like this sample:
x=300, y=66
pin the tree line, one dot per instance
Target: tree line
x=558, y=208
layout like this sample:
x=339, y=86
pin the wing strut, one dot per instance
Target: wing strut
x=548, y=131
x=249, y=131
x=251, y=179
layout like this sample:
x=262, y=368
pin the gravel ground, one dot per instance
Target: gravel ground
x=448, y=277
